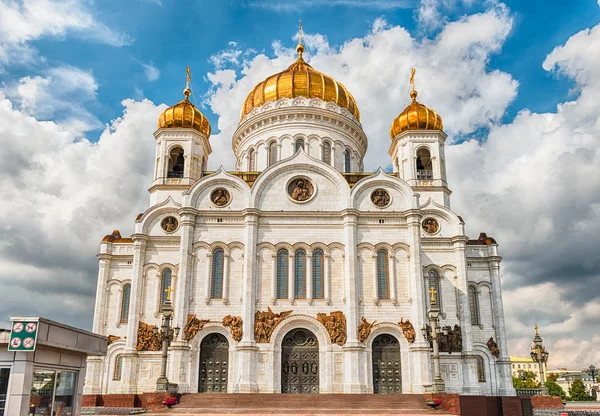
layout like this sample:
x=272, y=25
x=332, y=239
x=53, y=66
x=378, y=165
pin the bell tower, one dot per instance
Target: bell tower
x=417, y=149
x=182, y=148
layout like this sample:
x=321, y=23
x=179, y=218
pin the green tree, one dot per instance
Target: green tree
x=529, y=382
x=555, y=390
x=553, y=376
x=578, y=392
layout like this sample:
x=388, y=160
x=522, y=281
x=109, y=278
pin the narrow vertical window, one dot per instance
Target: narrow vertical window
x=118, y=367
x=317, y=274
x=433, y=281
x=300, y=275
x=299, y=144
x=326, y=155
x=272, y=153
x=383, y=287
x=125, y=303
x=216, y=277
x=473, y=305
x=282, y=274
x=252, y=160
x=480, y=370
x=423, y=165
x=347, y=161
x=165, y=284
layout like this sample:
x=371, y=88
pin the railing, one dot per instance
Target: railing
x=425, y=174
x=529, y=392
x=172, y=174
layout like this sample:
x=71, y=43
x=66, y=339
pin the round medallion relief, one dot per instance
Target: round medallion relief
x=430, y=225
x=220, y=197
x=380, y=198
x=169, y=224
x=300, y=189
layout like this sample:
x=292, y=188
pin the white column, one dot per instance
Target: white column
x=332, y=161
x=327, y=282
x=207, y=279
x=291, y=268
x=309, y=277
x=273, y=278
x=226, y=278
x=181, y=303
x=374, y=278
x=101, y=290
x=392, y=274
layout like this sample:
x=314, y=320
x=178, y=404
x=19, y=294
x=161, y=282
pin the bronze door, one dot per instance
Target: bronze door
x=387, y=375
x=300, y=362
x=214, y=360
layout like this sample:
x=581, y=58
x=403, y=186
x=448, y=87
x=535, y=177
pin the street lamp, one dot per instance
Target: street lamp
x=162, y=383
x=432, y=334
x=540, y=356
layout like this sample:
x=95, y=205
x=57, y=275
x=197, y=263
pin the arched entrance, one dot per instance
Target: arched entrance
x=387, y=375
x=300, y=362
x=214, y=362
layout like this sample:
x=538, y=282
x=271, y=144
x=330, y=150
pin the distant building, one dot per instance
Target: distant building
x=520, y=364
x=566, y=378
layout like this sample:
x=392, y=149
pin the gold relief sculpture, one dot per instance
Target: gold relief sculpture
x=193, y=326
x=220, y=197
x=300, y=189
x=493, y=347
x=335, y=324
x=431, y=226
x=235, y=325
x=112, y=338
x=380, y=198
x=169, y=224
x=147, y=340
x=364, y=329
x=266, y=322
x=408, y=330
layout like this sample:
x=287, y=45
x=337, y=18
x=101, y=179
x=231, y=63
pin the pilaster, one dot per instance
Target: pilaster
x=104, y=259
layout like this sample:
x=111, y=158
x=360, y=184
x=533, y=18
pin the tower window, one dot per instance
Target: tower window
x=299, y=144
x=272, y=153
x=474, y=305
x=424, y=167
x=125, y=303
x=317, y=274
x=282, y=274
x=165, y=284
x=326, y=155
x=176, y=163
x=383, y=278
x=347, y=161
x=216, y=283
x=252, y=161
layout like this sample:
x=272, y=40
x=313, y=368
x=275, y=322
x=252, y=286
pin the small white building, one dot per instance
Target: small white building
x=299, y=271
x=521, y=364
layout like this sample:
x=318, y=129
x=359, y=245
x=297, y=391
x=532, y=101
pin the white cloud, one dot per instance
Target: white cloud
x=152, y=72
x=429, y=13
x=22, y=22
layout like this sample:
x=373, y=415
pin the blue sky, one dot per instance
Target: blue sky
x=516, y=82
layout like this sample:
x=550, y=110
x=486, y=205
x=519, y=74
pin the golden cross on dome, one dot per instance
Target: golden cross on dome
x=300, y=47
x=301, y=33
x=536, y=330
x=432, y=291
x=187, y=90
x=168, y=291
x=413, y=92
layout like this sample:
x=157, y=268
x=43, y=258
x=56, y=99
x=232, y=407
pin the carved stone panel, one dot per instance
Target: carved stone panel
x=265, y=323
x=448, y=343
x=300, y=189
x=493, y=347
x=220, y=197
x=335, y=324
x=430, y=225
x=364, y=329
x=169, y=224
x=112, y=338
x=193, y=326
x=147, y=340
x=380, y=198
x=408, y=330
x=235, y=325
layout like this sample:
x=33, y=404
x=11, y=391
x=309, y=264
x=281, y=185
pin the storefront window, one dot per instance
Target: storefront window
x=52, y=393
x=4, y=375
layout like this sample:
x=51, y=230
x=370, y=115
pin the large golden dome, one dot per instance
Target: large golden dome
x=300, y=80
x=184, y=114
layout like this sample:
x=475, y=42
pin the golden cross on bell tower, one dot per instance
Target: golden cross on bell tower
x=536, y=330
x=413, y=92
x=301, y=33
x=432, y=291
x=168, y=290
x=300, y=47
x=187, y=90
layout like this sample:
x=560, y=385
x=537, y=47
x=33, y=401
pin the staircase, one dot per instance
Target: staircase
x=301, y=404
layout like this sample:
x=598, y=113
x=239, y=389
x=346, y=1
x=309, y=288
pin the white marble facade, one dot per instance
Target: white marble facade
x=259, y=218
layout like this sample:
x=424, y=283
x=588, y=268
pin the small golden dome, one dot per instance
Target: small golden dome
x=300, y=80
x=184, y=114
x=416, y=116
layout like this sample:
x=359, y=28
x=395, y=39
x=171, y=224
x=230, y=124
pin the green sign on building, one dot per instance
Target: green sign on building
x=23, y=336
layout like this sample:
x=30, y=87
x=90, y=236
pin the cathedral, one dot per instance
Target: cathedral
x=299, y=272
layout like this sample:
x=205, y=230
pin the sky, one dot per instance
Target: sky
x=82, y=84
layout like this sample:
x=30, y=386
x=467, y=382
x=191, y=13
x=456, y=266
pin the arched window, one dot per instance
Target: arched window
x=176, y=163
x=118, y=367
x=326, y=153
x=433, y=281
x=252, y=160
x=299, y=144
x=165, y=284
x=347, y=161
x=424, y=167
x=480, y=370
x=317, y=274
x=216, y=277
x=300, y=275
x=282, y=273
x=383, y=281
x=272, y=153
x=125, y=303
x=474, y=305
